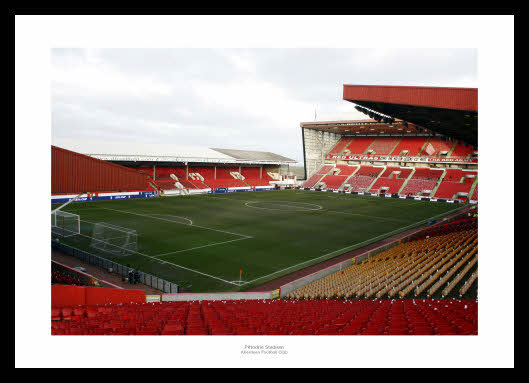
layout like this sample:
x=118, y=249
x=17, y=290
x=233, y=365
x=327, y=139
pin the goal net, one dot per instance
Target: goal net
x=114, y=239
x=64, y=224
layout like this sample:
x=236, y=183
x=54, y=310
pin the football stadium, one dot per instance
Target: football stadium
x=376, y=236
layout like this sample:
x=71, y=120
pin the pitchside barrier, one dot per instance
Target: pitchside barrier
x=417, y=198
x=117, y=268
x=216, y=190
x=216, y=296
x=103, y=196
x=150, y=194
x=238, y=190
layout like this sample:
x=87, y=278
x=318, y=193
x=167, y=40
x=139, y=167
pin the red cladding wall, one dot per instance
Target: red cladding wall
x=435, y=97
x=63, y=295
x=73, y=172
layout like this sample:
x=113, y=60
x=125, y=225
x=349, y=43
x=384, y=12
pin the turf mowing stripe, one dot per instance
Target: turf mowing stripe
x=340, y=251
x=178, y=223
x=308, y=210
x=275, y=203
x=200, y=247
x=162, y=261
x=365, y=215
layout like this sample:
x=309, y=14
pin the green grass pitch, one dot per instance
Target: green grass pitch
x=201, y=242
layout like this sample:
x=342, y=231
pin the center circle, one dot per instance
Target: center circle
x=283, y=205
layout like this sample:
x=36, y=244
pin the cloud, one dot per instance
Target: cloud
x=234, y=98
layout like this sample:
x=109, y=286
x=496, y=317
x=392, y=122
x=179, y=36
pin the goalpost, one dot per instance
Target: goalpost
x=65, y=224
x=114, y=239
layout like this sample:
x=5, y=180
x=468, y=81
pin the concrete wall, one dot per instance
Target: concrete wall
x=317, y=145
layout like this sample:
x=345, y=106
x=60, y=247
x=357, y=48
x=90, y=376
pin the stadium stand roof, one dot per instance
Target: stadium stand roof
x=355, y=127
x=147, y=152
x=451, y=112
x=252, y=155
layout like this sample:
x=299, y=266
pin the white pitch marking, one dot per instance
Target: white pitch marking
x=170, y=263
x=356, y=244
x=175, y=216
x=200, y=247
x=178, y=223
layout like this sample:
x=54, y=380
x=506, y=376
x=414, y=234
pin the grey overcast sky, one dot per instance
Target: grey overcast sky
x=250, y=99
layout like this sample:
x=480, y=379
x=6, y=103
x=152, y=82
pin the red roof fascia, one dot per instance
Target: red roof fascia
x=434, y=97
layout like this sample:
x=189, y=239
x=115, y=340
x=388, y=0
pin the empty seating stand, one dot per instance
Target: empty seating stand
x=413, y=269
x=416, y=187
x=427, y=174
x=166, y=185
x=462, y=150
x=474, y=196
x=409, y=146
x=252, y=176
x=271, y=317
x=392, y=178
x=459, y=175
x=359, y=145
x=311, y=182
x=345, y=170
x=396, y=172
x=222, y=179
x=340, y=146
x=383, y=145
x=435, y=146
x=333, y=182
x=359, y=183
x=363, y=178
x=387, y=185
x=449, y=190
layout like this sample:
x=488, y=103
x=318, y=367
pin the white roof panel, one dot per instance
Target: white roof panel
x=128, y=148
x=140, y=151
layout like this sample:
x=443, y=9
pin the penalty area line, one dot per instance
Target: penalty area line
x=200, y=247
x=163, y=262
x=178, y=223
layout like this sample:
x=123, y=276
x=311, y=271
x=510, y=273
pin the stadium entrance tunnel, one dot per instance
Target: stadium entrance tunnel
x=283, y=206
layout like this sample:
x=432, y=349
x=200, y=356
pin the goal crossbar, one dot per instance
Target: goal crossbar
x=65, y=224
